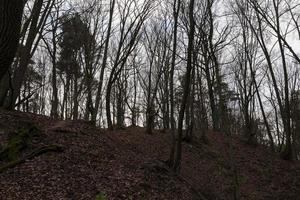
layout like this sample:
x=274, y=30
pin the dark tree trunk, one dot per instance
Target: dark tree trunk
x=186, y=92
x=104, y=63
x=26, y=55
x=176, y=9
x=11, y=12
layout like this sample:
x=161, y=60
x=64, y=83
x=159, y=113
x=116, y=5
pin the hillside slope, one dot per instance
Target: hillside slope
x=127, y=165
x=210, y=168
x=91, y=164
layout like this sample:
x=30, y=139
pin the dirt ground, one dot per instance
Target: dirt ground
x=129, y=164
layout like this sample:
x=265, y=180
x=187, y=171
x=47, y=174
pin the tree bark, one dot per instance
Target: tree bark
x=11, y=12
x=186, y=92
x=176, y=9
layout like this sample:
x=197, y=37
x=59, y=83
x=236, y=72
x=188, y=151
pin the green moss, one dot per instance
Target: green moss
x=17, y=143
x=101, y=196
x=242, y=179
x=11, y=164
x=35, y=153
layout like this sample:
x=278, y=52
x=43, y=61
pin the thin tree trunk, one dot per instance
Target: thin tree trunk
x=104, y=63
x=186, y=92
x=171, y=83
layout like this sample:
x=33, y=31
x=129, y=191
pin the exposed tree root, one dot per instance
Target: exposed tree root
x=38, y=152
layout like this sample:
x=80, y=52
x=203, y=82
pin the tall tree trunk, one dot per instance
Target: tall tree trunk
x=26, y=55
x=75, y=98
x=104, y=63
x=176, y=9
x=134, y=108
x=11, y=12
x=4, y=87
x=107, y=103
x=149, y=109
x=220, y=109
x=186, y=92
x=286, y=117
x=54, y=108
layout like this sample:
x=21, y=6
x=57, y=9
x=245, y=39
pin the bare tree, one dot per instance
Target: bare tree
x=186, y=91
x=131, y=22
x=31, y=33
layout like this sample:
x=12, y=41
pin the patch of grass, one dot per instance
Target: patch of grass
x=101, y=196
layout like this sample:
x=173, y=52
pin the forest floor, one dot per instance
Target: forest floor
x=128, y=164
